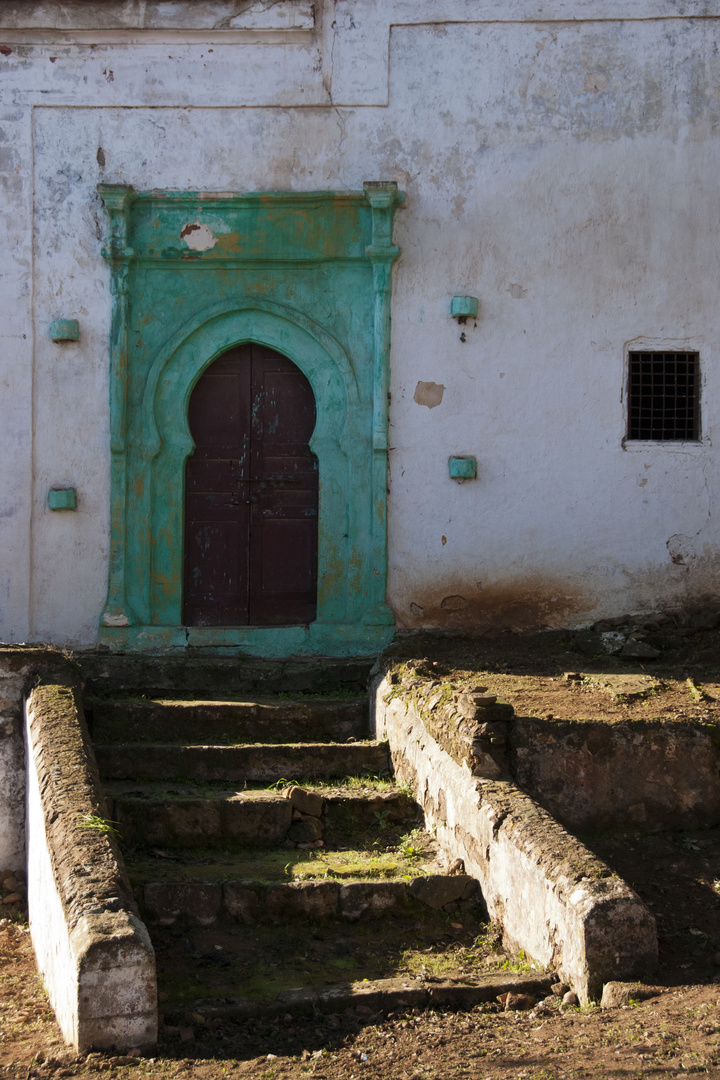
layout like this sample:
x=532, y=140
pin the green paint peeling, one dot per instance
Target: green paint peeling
x=194, y=274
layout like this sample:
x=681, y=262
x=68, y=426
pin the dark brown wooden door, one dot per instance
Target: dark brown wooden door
x=251, y=494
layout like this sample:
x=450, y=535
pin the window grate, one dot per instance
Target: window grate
x=663, y=396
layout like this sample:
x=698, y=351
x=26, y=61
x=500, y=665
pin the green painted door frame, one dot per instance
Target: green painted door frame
x=194, y=274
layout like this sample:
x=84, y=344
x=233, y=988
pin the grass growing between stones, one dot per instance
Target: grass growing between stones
x=390, y=859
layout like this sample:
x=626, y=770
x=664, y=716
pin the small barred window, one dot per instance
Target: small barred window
x=664, y=396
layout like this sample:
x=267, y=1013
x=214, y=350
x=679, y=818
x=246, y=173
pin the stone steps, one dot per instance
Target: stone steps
x=196, y=903
x=183, y=815
x=254, y=763
x=288, y=898
x=273, y=721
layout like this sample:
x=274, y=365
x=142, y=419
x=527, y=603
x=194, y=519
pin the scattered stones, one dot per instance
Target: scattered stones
x=639, y=650
x=11, y=888
x=559, y=989
x=612, y=642
x=616, y=994
x=517, y=1002
x=570, y=998
x=495, y=958
x=627, y=687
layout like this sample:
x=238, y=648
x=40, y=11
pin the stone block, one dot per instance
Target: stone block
x=438, y=890
x=371, y=899
x=307, y=802
x=166, y=902
x=256, y=821
x=240, y=901
x=302, y=900
x=305, y=831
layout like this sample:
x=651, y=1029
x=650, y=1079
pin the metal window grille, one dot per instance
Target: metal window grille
x=664, y=396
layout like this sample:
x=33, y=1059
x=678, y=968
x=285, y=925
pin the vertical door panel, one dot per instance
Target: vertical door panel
x=217, y=495
x=284, y=500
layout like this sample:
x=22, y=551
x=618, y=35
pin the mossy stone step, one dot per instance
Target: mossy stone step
x=388, y=856
x=185, y=815
x=295, y=961
x=256, y=763
x=251, y=902
x=194, y=673
x=263, y=720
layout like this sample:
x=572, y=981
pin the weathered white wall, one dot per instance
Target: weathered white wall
x=562, y=171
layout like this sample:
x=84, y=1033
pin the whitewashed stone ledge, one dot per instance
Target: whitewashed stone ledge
x=555, y=900
x=19, y=667
x=93, y=951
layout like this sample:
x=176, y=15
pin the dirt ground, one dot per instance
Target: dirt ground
x=673, y=1032
x=569, y=676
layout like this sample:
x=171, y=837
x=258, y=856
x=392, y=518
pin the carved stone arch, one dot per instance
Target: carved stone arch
x=331, y=442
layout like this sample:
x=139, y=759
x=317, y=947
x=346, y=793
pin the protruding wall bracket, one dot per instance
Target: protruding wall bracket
x=62, y=498
x=463, y=308
x=462, y=468
x=65, y=330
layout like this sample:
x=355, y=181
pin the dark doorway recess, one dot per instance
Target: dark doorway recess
x=251, y=494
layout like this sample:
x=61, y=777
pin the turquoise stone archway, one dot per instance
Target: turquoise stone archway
x=193, y=275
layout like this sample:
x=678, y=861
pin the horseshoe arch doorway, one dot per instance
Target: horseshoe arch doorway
x=251, y=494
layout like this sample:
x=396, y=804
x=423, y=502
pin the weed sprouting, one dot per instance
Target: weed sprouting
x=98, y=824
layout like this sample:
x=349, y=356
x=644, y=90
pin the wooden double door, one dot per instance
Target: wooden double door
x=251, y=494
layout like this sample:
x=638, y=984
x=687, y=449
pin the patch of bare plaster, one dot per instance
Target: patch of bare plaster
x=429, y=393
x=453, y=603
x=198, y=237
x=681, y=549
x=595, y=82
x=114, y=620
x=417, y=609
x=518, y=292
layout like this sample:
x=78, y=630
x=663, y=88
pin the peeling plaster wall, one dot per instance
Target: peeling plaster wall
x=559, y=165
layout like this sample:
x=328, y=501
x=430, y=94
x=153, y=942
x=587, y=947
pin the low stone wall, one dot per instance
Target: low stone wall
x=593, y=776
x=92, y=949
x=19, y=667
x=555, y=901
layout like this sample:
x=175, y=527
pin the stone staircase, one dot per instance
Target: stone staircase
x=279, y=867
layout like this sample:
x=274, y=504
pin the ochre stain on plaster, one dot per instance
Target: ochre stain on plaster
x=428, y=393
x=228, y=244
x=530, y=603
